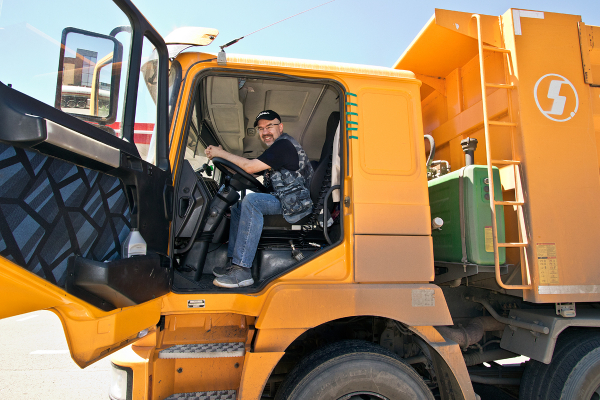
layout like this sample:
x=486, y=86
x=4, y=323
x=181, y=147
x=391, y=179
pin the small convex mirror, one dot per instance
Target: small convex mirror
x=89, y=75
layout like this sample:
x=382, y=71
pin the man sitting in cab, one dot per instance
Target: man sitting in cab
x=287, y=173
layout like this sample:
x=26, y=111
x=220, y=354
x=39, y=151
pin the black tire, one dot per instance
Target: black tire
x=353, y=366
x=527, y=387
x=575, y=372
x=535, y=380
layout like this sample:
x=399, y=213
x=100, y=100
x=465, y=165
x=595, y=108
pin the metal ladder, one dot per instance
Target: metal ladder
x=519, y=198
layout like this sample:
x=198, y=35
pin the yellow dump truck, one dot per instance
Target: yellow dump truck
x=454, y=223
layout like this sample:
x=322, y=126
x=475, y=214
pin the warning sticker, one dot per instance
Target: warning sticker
x=489, y=240
x=423, y=298
x=547, y=263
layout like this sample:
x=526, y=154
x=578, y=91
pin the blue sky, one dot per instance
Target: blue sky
x=356, y=31
x=374, y=32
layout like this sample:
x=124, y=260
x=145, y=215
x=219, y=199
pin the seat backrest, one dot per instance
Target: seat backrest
x=332, y=124
x=324, y=162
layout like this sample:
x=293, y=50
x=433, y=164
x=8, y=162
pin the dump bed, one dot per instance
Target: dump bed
x=543, y=111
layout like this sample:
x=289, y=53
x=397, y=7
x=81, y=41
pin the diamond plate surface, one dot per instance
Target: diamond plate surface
x=204, y=350
x=212, y=395
x=51, y=209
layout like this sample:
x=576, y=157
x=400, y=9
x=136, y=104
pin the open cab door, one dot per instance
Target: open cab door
x=85, y=183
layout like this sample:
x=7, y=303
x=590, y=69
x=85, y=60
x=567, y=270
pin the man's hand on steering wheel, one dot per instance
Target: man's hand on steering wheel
x=214, y=151
x=227, y=167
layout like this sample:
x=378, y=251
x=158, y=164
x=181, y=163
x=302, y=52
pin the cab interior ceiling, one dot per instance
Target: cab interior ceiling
x=224, y=113
x=231, y=105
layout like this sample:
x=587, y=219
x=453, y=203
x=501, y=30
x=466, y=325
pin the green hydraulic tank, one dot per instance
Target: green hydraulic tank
x=445, y=201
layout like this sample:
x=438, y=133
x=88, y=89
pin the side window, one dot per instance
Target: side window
x=194, y=150
x=144, y=130
x=92, y=45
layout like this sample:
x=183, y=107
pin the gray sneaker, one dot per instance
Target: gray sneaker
x=220, y=271
x=236, y=277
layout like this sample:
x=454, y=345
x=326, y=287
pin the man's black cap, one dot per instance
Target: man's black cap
x=269, y=115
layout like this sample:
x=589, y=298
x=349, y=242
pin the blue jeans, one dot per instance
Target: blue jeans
x=246, y=226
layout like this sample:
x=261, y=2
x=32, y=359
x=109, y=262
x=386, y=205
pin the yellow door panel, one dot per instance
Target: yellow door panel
x=91, y=333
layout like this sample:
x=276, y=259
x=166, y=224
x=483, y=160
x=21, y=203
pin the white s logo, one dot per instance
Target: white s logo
x=554, y=102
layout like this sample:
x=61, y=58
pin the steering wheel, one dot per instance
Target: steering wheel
x=230, y=169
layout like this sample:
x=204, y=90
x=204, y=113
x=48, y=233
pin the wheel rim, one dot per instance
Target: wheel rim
x=363, y=396
x=596, y=395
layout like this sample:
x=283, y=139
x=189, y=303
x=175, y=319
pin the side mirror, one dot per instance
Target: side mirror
x=89, y=76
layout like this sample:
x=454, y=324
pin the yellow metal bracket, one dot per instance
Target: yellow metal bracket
x=589, y=40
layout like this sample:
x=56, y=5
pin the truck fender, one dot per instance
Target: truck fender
x=290, y=310
x=306, y=306
x=448, y=362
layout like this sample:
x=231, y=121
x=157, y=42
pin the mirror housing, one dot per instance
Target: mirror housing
x=89, y=75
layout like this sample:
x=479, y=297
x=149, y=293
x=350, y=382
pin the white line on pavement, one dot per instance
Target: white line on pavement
x=50, y=352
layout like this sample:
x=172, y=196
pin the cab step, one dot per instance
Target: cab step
x=211, y=395
x=204, y=350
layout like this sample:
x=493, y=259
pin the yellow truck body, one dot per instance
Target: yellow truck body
x=559, y=182
x=537, y=119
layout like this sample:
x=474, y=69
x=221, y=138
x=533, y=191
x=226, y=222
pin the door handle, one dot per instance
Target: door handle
x=185, y=203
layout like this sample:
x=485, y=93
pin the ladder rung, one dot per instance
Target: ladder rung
x=500, y=85
x=500, y=123
x=512, y=244
x=509, y=203
x=497, y=49
x=506, y=162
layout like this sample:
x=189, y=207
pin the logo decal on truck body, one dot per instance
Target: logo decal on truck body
x=556, y=97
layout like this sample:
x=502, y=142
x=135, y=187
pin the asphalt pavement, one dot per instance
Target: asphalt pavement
x=35, y=362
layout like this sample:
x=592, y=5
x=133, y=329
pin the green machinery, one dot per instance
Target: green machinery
x=461, y=199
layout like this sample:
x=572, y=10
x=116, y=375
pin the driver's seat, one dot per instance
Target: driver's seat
x=320, y=183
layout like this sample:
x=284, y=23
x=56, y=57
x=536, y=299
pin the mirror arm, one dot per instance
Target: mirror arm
x=120, y=29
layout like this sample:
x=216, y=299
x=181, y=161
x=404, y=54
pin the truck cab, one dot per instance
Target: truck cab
x=112, y=217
